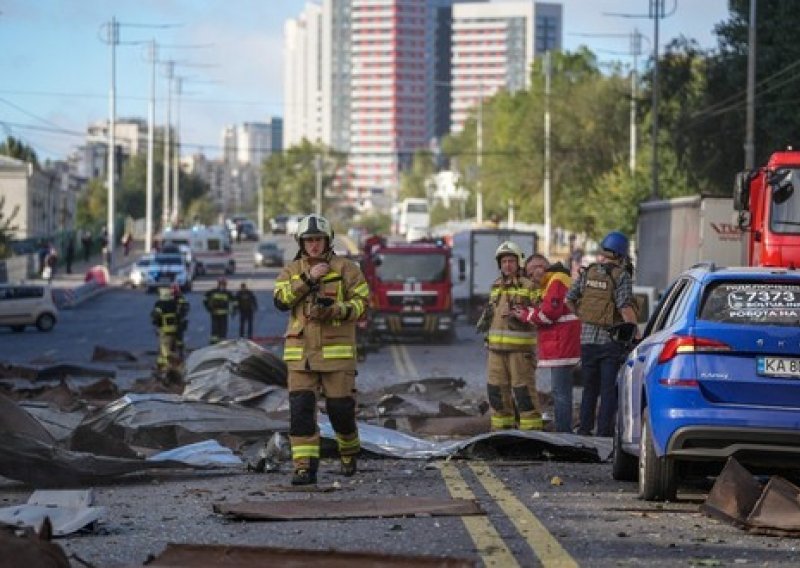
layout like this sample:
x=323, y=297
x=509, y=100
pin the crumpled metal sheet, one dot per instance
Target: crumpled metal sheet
x=233, y=371
x=164, y=421
x=258, y=556
x=58, y=423
x=738, y=498
x=384, y=507
x=516, y=443
x=42, y=372
x=68, y=510
x=206, y=453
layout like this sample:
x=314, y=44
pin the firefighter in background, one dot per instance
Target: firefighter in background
x=219, y=303
x=183, y=317
x=325, y=295
x=511, y=344
x=246, y=307
x=602, y=297
x=167, y=321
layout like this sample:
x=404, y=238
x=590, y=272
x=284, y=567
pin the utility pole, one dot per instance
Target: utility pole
x=151, y=119
x=547, y=229
x=318, y=168
x=636, y=50
x=113, y=39
x=176, y=200
x=656, y=12
x=479, y=192
x=165, y=210
x=749, y=145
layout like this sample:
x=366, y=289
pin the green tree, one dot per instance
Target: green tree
x=7, y=228
x=413, y=182
x=92, y=204
x=14, y=148
x=289, y=179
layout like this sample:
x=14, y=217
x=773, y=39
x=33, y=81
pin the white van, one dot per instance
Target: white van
x=413, y=213
x=211, y=248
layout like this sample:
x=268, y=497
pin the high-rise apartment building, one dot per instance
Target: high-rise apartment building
x=252, y=142
x=302, y=82
x=494, y=44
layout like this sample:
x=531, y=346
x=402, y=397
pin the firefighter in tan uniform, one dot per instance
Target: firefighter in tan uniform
x=511, y=344
x=325, y=295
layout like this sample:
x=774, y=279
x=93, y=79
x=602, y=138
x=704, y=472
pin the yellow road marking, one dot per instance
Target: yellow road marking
x=544, y=545
x=402, y=361
x=489, y=543
x=410, y=367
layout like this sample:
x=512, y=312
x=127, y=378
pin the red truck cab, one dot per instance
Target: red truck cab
x=410, y=289
x=768, y=201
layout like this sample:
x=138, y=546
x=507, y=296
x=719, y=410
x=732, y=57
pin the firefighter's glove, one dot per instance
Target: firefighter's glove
x=323, y=309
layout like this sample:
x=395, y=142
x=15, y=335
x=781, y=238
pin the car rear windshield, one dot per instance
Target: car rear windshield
x=771, y=303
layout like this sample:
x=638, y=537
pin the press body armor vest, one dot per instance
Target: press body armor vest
x=597, y=304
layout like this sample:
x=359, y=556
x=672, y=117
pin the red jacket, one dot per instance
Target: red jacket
x=558, y=328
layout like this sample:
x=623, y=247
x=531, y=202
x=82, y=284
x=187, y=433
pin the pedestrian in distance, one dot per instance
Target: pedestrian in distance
x=246, y=307
x=86, y=242
x=325, y=296
x=511, y=346
x=127, y=241
x=558, y=333
x=41, y=253
x=69, y=254
x=219, y=302
x=50, y=262
x=602, y=297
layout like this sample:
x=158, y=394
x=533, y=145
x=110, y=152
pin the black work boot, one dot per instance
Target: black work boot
x=304, y=477
x=306, y=474
x=348, y=465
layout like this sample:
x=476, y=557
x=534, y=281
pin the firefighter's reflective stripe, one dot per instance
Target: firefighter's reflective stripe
x=169, y=323
x=307, y=451
x=348, y=444
x=500, y=422
x=531, y=424
x=510, y=338
x=517, y=292
x=292, y=353
x=283, y=290
x=359, y=302
x=337, y=351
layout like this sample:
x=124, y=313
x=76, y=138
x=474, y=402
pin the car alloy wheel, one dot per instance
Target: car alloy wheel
x=657, y=479
x=45, y=322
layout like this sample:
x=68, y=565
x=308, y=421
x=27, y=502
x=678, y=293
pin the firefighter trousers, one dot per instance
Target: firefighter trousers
x=338, y=387
x=219, y=327
x=167, y=347
x=511, y=387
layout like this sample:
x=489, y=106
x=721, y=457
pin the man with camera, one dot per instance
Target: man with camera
x=325, y=295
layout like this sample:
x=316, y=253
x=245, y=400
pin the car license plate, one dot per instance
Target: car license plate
x=779, y=367
x=413, y=320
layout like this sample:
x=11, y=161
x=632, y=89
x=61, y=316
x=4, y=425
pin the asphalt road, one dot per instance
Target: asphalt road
x=537, y=512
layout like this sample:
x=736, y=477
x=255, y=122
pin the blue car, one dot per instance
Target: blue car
x=717, y=374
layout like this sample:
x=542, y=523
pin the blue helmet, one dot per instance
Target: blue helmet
x=616, y=242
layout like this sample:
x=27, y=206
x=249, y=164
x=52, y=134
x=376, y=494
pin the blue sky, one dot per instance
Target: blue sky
x=56, y=69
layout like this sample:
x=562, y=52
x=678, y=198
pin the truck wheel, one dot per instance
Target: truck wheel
x=657, y=478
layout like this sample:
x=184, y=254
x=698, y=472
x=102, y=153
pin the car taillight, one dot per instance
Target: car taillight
x=680, y=344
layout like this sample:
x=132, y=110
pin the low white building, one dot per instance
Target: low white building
x=43, y=206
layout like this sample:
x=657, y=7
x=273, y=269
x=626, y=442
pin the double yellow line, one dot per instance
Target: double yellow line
x=489, y=543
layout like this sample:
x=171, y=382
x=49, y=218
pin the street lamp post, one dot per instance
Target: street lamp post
x=318, y=168
x=547, y=229
x=151, y=119
x=113, y=38
x=165, y=205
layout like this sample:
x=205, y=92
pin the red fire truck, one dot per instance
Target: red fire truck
x=768, y=202
x=410, y=289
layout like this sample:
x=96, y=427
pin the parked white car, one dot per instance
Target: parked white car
x=22, y=305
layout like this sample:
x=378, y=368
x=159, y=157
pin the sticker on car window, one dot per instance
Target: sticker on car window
x=753, y=303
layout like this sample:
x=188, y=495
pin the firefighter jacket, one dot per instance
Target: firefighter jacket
x=218, y=302
x=597, y=302
x=506, y=333
x=183, y=311
x=311, y=344
x=165, y=316
x=558, y=329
